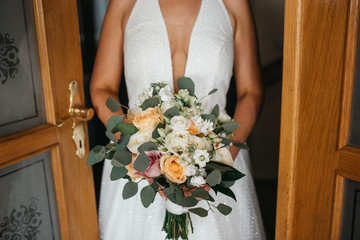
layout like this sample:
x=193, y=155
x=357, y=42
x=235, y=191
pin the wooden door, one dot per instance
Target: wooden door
x=46, y=189
x=318, y=159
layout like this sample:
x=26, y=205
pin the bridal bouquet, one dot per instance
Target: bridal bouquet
x=178, y=149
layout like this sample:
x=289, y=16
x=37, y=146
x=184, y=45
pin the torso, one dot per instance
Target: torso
x=180, y=17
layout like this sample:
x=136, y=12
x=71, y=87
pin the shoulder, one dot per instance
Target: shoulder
x=240, y=13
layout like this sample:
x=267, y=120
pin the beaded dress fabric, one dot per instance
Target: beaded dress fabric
x=147, y=59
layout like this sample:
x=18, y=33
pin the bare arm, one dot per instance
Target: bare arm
x=247, y=75
x=106, y=76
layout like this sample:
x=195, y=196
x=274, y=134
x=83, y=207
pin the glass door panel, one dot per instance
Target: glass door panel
x=21, y=99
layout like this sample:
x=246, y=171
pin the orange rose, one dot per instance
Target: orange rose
x=148, y=119
x=193, y=130
x=172, y=169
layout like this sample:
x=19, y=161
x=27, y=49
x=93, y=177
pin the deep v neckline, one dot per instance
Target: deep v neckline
x=166, y=35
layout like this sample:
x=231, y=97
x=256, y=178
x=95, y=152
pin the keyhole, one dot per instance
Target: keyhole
x=80, y=144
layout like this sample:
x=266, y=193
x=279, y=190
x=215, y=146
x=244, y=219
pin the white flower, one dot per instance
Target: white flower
x=165, y=94
x=183, y=93
x=167, y=105
x=143, y=96
x=137, y=139
x=192, y=101
x=191, y=170
x=200, y=143
x=223, y=155
x=179, y=123
x=197, y=181
x=204, y=126
x=202, y=172
x=150, y=91
x=201, y=157
x=177, y=140
x=223, y=118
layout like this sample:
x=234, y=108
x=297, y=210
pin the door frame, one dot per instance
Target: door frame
x=319, y=60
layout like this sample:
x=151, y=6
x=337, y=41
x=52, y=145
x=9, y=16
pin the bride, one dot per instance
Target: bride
x=160, y=41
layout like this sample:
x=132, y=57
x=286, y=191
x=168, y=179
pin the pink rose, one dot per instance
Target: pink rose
x=153, y=170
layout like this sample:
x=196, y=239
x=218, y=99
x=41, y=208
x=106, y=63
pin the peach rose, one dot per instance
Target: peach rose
x=148, y=119
x=172, y=169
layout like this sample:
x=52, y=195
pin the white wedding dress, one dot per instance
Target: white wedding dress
x=147, y=59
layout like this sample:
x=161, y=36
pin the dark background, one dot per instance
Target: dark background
x=264, y=140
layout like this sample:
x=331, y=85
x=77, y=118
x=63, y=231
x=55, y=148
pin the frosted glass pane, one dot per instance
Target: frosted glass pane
x=21, y=101
x=354, y=133
x=350, y=227
x=27, y=201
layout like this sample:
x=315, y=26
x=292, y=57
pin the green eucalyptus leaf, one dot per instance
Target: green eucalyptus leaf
x=112, y=104
x=129, y=190
x=155, y=186
x=199, y=211
x=216, y=110
x=213, y=91
x=209, y=117
x=224, y=209
x=141, y=162
x=168, y=191
x=226, y=141
x=109, y=155
x=230, y=126
x=123, y=142
x=110, y=135
x=214, y=178
x=123, y=156
x=148, y=146
x=186, y=83
x=150, y=102
x=147, y=196
x=126, y=128
x=97, y=154
x=241, y=145
x=172, y=112
x=200, y=193
x=189, y=201
x=117, y=173
x=155, y=133
x=115, y=163
x=111, y=123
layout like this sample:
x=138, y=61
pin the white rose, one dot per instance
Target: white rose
x=197, y=181
x=177, y=140
x=165, y=94
x=200, y=143
x=223, y=118
x=179, y=123
x=201, y=157
x=137, y=139
x=223, y=155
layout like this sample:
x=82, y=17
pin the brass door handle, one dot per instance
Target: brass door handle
x=81, y=114
x=78, y=115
